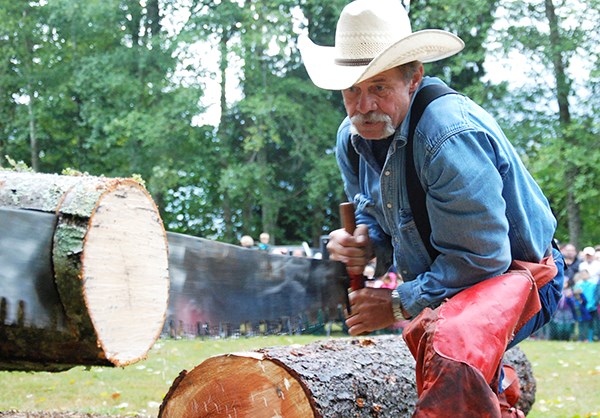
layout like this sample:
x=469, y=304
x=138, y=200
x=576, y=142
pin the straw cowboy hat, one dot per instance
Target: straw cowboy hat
x=372, y=36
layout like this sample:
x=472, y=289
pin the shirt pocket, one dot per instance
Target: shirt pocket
x=366, y=205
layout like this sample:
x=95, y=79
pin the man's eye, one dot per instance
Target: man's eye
x=378, y=89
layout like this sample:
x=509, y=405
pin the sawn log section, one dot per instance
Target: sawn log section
x=345, y=377
x=110, y=282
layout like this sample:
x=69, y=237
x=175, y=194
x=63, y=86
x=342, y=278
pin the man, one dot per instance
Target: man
x=590, y=263
x=572, y=261
x=485, y=211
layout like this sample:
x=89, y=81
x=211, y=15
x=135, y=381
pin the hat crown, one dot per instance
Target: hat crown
x=371, y=37
x=368, y=27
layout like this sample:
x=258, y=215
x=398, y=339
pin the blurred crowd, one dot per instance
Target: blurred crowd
x=578, y=315
x=264, y=244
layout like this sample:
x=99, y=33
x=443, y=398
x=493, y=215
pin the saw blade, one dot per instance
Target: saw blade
x=215, y=287
x=218, y=287
x=28, y=295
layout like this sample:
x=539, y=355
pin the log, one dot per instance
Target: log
x=105, y=302
x=344, y=377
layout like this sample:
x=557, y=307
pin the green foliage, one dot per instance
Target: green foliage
x=551, y=118
x=470, y=20
x=18, y=166
x=72, y=172
x=111, y=88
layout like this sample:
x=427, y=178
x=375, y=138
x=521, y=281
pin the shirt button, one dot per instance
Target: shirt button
x=389, y=205
x=387, y=173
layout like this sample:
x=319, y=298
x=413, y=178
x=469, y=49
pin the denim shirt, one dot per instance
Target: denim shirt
x=484, y=207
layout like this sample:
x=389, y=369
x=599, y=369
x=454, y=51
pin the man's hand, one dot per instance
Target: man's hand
x=353, y=250
x=371, y=309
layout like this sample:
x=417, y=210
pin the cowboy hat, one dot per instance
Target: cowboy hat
x=372, y=36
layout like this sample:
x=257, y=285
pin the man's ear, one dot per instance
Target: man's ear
x=416, y=79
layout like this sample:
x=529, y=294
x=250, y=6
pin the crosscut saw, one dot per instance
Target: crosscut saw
x=223, y=288
x=215, y=287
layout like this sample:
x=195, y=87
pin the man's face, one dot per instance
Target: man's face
x=377, y=106
x=569, y=251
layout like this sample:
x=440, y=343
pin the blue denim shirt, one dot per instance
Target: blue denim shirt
x=484, y=207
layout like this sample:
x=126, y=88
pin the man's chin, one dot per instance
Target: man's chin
x=371, y=135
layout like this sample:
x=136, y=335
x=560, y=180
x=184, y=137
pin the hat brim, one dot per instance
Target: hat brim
x=426, y=46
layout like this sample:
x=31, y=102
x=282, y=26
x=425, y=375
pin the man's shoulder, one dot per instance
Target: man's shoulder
x=442, y=118
x=454, y=115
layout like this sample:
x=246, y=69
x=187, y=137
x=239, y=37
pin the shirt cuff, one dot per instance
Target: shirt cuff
x=410, y=298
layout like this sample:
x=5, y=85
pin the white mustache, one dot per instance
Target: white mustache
x=372, y=117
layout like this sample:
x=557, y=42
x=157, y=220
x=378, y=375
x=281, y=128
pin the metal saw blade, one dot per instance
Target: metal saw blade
x=216, y=285
x=28, y=294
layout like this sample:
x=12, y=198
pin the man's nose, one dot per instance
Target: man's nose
x=366, y=103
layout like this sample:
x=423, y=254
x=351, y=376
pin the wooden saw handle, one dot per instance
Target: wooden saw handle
x=357, y=281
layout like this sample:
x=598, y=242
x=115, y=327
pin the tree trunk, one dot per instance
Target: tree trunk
x=103, y=298
x=573, y=208
x=563, y=89
x=366, y=377
x=33, y=143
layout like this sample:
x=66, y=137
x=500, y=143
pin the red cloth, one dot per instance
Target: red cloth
x=459, y=346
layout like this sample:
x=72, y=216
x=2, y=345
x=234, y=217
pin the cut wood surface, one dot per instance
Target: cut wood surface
x=345, y=377
x=109, y=259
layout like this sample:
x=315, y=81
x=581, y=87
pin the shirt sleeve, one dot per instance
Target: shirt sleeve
x=468, y=219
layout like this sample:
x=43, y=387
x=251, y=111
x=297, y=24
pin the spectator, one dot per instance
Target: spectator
x=369, y=271
x=597, y=299
x=389, y=280
x=247, y=241
x=264, y=245
x=297, y=252
x=584, y=319
x=572, y=261
x=562, y=324
x=590, y=263
x=589, y=309
x=280, y=251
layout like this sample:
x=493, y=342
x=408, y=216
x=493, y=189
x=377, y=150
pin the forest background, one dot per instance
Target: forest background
x=209, y=103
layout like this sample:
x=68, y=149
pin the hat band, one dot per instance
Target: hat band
x=353, y=62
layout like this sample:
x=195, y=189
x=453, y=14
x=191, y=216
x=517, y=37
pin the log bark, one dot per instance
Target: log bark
x=345, y=377
x=110, y=271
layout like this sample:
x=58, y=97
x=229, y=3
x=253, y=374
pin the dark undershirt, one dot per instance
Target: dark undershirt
x=380, y=149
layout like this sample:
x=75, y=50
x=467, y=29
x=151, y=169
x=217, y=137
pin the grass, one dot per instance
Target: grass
x=568, y=376
x=137, y=389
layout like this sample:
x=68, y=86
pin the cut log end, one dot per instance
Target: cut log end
x=238, y=385
x=125, y=273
